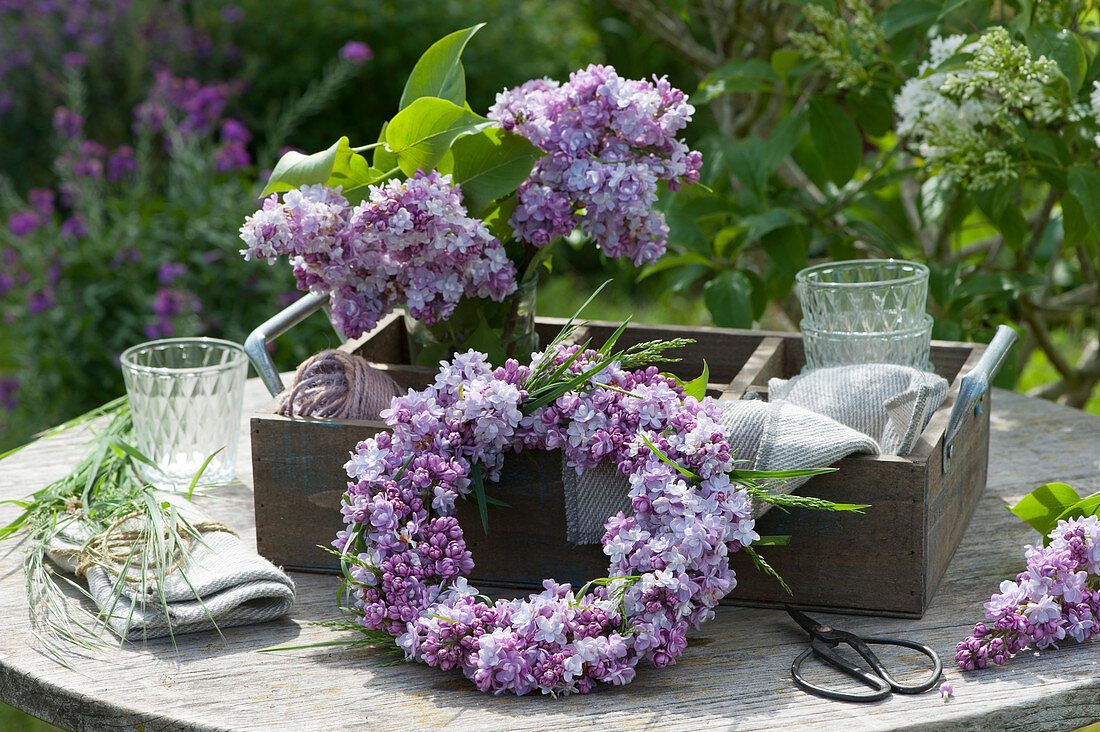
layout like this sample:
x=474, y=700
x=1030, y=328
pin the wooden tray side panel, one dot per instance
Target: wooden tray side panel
x=298, y=471
x=846, y=561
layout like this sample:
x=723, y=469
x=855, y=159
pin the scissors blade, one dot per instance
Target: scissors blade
x=808, y=624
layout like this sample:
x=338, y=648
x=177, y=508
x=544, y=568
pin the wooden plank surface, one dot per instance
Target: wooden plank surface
x=734, y=674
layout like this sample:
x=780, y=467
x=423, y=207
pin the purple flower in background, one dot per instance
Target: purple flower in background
x=74, y=226
x=21, y=223
x=40, y=301
x=232, y=14
x=121, y=164
x=42, y=200
x=149, y=117
x=7, y=284
x=9, y=393
x=67, y=122
x=356, y=52
x=170, y=271
x=231, y=156
x=7, y=102
x=233, y=130
x=74, y=60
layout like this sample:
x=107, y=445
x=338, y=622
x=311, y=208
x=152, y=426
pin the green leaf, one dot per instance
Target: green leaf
x=784, y=60
x=1084, y=185
x=479, y=496
x=1088, y=506
x=1062, y=46
x=439, y=73
x=762, y=565
x=422, y=133
x=729, y=299
x=760, y=225
x=697, y=387
x=782, y=141
x=787, y=248
x=383, y=159
x=836, y=139
x=746, y=160
x=782, y=540
x=491, y=164
x=1075, y=228
x=358, y=177
x=874, y=111
x=295, y=170
x=1041, y=508
x=738, y=75
x=485, y=340
x=665, y=459
x=909, y=14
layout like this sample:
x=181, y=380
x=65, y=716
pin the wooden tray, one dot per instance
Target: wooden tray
x=886, y=561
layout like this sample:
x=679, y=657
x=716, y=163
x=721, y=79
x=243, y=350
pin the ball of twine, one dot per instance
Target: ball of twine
x=337, y=385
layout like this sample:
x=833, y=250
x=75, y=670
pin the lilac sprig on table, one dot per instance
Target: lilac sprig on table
x=406, y=559
x=410, y=243
x=608, y=141
x=1053, y=601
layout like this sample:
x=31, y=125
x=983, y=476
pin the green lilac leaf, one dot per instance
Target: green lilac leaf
x=439, y=72
x=491, y=164
x=1084, y=185
x=905, y=15
x=1041, y=508
x=728, y=297
x=296, y=169
x=697, y=387
x=836, y=139
x=422, y=133
x=1062, y=46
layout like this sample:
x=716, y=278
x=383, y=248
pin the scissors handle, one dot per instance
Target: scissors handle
x=880, y=682
x=933, y=677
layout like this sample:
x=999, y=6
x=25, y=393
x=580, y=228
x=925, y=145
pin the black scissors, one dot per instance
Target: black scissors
x=823, y=639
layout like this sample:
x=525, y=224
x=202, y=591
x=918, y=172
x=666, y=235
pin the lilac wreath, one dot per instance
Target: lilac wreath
x=406, y=562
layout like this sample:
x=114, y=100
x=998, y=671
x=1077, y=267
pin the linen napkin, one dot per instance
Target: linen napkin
x=219, y=583
x=809, y=421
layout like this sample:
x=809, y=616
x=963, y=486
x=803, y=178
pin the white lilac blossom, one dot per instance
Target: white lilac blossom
x=1051, y=602
x=961, y=117
x=409, y=243
x=608, y=141
x=669, y=560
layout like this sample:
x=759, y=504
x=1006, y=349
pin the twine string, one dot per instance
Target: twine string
x=335, y=384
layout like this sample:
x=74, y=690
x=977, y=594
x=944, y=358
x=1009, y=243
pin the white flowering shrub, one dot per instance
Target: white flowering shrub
x=960, y=134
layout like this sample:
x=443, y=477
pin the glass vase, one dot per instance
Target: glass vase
x=501, y=330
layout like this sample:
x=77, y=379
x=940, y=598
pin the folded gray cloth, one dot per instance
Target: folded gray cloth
x=809, y=421
x=219, y=583
x=763, y=435
x=890, y=403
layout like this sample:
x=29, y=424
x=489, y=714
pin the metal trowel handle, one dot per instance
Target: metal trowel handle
x=975, y=384
x=256, y=343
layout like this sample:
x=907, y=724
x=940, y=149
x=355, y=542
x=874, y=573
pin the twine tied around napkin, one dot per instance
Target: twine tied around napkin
x=213, y=581
x=809, y=421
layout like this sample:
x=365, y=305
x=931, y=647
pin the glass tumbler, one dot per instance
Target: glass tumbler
x=863, y=295
x=185, y=397
x=907, y=347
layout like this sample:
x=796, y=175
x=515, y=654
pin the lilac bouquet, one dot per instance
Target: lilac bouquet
x=453, y=213
x=1053, y=601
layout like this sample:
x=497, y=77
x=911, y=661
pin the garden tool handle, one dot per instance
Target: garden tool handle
x=255, y=346
x=975, y=384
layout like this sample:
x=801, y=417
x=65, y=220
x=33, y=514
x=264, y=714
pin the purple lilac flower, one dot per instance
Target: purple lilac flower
x=74, y=60
x=411, y=560
x=1050, y=601
x=947, y=690
x=356, y=52
x=608, y=141
x=169, y=272
x=121, y=164
x=74, y=226
x=232, y=14
x=22, y=223
x=40, y=301
x=9, y=393
x=410, y=243
x=42, y=200
x=68, y=123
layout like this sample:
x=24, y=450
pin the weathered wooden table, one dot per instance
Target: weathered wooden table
x=734, y=674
